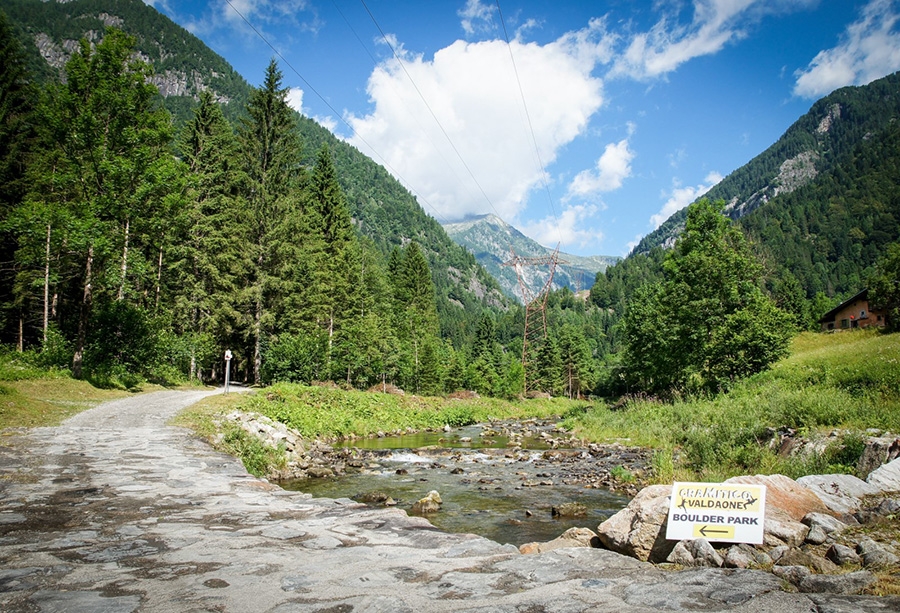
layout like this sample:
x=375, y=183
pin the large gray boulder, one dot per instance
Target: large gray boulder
x=887, y=477
x=840, y=493
x=639, y=530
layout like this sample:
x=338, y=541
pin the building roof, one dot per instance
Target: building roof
x=829, y=316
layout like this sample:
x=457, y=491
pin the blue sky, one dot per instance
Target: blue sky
x=584, y=124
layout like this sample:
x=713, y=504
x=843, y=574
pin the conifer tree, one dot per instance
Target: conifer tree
x=107, y=145
x=271, y=152
x=210, y=255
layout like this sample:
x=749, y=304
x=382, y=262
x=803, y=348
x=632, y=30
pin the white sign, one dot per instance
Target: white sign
x=227, y=354
x=729, y=512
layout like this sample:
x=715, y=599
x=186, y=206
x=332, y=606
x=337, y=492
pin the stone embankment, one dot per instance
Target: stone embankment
x=116, y=511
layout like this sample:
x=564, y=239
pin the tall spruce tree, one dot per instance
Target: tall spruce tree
x=272, y=155
x=210, y=256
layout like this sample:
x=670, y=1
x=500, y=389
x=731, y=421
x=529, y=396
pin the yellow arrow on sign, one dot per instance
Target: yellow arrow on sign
x=713, y=532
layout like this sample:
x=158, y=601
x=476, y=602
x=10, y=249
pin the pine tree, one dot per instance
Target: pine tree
x=210, y=256
x=271, y=152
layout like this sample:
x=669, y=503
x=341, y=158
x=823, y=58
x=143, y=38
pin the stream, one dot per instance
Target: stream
x=500, y=481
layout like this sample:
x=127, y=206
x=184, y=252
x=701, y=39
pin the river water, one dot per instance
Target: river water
x=506, y=494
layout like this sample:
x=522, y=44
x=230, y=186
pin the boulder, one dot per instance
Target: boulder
x=780, y=529
x=887, y=477
x=785, y=494
x=875, y=555
x=638, y=530
x=573, y=537
x=841, y=554
x=826, y=523
x=792, y=574
x=681, y=555
x=798, y=557
x=746, y=556
x=878, y=451
x=840, y=493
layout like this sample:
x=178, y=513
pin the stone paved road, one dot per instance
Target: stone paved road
x=114, y=511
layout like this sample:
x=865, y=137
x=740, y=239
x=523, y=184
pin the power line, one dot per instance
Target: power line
x=428, y=106
x=537, y=151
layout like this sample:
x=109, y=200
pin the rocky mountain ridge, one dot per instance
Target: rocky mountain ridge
x=494, y=242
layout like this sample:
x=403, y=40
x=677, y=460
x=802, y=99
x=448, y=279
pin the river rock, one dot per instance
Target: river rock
x=848, y=583
x=887, y=477
x=841, y=555
x=842, y=494
x=638, y=530
x=569, y=509
x=573, y=537
x=875, y=555
x=791, y=574
x=704, y=553
x=429, y=504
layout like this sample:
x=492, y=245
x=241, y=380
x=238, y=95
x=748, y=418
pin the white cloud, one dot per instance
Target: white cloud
x=680, y=197
x=476, y=16
x=568, y=228
x=869, y=49
x=613, y=167
x=295, y=99
x=472, y=91
x=715, y=23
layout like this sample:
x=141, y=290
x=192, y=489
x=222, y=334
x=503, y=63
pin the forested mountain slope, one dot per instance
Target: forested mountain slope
x=817, y=148
x=819, y=205
x=382, y=209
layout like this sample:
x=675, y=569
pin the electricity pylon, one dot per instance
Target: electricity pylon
x=535, y=303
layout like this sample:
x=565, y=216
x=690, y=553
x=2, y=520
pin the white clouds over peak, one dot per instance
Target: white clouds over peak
x=570, y=227
x=613, y=167
x=680, y=197
x=869, y=49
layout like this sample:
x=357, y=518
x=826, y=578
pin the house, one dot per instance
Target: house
x=852, y=313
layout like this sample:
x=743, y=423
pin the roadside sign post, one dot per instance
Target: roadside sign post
x=227, y=369
x=728, y=512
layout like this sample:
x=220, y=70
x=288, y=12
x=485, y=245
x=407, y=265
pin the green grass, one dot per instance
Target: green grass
x=846, y=381
x=332, y=413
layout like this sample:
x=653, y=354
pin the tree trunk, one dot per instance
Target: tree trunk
x=78, y=358
x=124, y=260
x=20, y=346
x=158, y=279
x=257, y=341
x=47, y=284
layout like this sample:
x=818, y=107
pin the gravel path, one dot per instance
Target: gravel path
x=115, y=511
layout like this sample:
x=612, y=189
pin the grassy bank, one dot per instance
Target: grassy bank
x=847, y=381
x=31, y=396
x=333, y=413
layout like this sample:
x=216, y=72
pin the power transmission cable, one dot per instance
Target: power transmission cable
x=333, y=110
x=428, y=106
x=403, y=101
x=537, y=151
